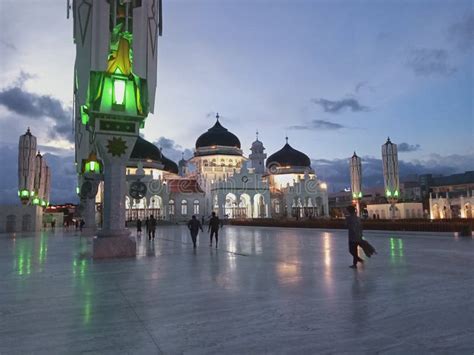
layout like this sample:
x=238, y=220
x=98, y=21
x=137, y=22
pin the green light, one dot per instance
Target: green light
x=24, y=193
x=360, y=194
x=78, y=190
x=32, y=193
x=92, y=165
x=388, y=193
x=396, y=193
x=36, y=201
x=84, y=115
x=119, y=91
x=354, y=195
x=18, y=193
x=43, y=203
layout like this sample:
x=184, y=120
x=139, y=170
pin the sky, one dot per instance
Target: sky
x=334, y=76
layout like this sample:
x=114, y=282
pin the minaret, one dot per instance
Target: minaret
x=257, y=157
x=182, y=166
x=26, y=166
x=390, y=170
x=355, y=164
x=356, y=176
x=390, y=174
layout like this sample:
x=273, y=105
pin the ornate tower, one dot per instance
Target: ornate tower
x=390, y=170
x=258, y=156
x=356, y=176
x=115, y=83
x=26, y=167
x=182, y=167
x=355, y=164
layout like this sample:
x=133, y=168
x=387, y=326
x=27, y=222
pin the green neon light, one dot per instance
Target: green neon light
x=119, y=91
x=36, y=201
x=360, y=194
x=84, y=115
x=354, y=195
x=396, y=193
x=92, y=167
x=78, y=190
x=43, y=203
x=24, y=193
x=388, y=193
x=32, y=193
x=18, y=193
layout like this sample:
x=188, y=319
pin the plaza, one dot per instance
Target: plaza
x=263, y=290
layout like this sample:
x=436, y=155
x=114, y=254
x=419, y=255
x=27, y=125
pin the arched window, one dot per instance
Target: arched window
x=184, y=207
x=276, y=206
x=171, y=207
x=196, y=207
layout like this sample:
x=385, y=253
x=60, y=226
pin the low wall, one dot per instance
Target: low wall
x=464, y=226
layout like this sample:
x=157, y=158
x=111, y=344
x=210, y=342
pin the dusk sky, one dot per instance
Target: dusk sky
x=335, y=76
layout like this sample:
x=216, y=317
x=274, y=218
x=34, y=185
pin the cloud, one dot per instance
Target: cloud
x=17, y=100
x=462, y=33
x=337, y=106
x=172, y=150
x=8, y=45
x=336, y=172
x=363, y=85
x=318, y=125
x=63, y=176
x=426, y=62
x=405, y=147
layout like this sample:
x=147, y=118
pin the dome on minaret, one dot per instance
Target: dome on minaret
x=288, y=157
x=217, y=135
x=257, y=145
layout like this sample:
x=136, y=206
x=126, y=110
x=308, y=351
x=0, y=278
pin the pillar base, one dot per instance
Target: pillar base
x=114, y=244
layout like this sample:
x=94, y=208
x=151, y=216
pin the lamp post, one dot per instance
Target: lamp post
x=390, y=175
x=355, y=164
x=115, y=83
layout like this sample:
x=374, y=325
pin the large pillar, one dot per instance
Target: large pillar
x=114, y=239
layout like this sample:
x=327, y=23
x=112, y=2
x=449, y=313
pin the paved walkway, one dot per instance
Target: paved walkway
x=264, y=290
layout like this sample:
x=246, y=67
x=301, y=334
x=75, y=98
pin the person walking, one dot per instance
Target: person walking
x=151, y=227
x=139, y=227
x=194, y=225
x=214, y=224
x=354, y=229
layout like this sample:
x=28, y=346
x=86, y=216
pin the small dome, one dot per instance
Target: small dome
x=217, y=135
x=288, y=156
x=144, y=150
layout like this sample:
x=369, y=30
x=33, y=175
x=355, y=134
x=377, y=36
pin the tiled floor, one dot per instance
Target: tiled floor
x=264, y=290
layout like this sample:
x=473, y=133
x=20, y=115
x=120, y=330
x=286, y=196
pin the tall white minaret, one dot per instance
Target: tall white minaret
x=182, y=166
x=26, y=166
x=390, y=170
x=258, y=156
x=356, y=176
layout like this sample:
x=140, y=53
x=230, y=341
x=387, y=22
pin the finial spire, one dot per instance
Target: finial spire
x=256, y=133
x=217, y=116
x=286, y=138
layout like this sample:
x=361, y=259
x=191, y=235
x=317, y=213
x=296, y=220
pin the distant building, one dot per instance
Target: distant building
x=451, y=196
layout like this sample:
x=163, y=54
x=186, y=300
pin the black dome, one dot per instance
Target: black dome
x=169, y=165
x=144, y=150
x=218, y=135
x=288, y=156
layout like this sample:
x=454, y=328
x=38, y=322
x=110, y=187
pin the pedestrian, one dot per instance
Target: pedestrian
x=81, y=224
x=151, y=227
x=77, y=224
x=194, y=225
x=214, y=224
x=147, y=225
x=139, y=227
x=202, y=220
x=354, y=228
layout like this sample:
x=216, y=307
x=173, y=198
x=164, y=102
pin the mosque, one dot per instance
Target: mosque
x=220, y=178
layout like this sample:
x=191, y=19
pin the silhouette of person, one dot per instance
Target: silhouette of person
x=139, y=227
x=214, y=224
x=194, y=225
x=151, y=227
x=354, y=228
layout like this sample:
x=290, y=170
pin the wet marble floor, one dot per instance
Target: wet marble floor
x=264, y=290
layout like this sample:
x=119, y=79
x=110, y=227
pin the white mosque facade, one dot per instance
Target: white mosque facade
x=223, y=180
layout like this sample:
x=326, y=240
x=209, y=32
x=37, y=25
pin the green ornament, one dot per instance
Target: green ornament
x=116, y=147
